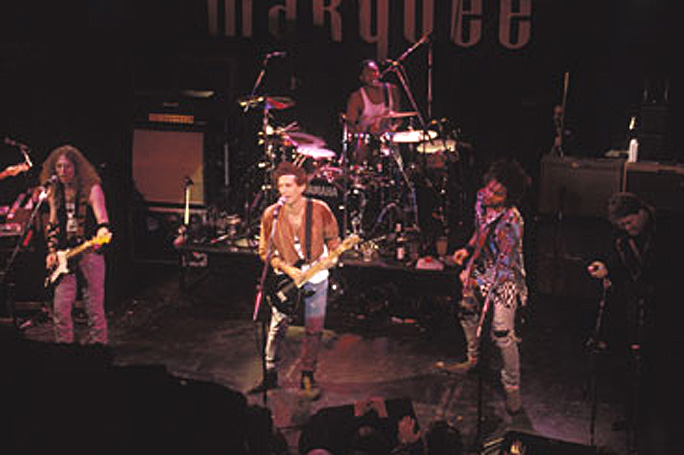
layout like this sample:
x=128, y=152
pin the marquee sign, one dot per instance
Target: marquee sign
x=377, y=21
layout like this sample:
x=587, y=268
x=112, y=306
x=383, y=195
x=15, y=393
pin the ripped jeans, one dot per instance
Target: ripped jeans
x=314, y=318
x=504, y=303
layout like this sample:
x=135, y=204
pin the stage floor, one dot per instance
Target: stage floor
x=379, y=343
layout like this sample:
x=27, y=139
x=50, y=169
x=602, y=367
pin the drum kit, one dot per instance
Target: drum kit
x=373, y=183
x=370, y=197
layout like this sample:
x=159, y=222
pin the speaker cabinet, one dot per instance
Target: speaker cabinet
x=578, y=186
x=660, y=185
x=163, y=159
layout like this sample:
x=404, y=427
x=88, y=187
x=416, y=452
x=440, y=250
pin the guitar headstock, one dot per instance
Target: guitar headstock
x=101, y=239
x=350, y=241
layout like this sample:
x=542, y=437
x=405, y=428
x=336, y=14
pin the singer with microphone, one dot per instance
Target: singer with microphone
x=78, y=213
x=368, y=110
x=637, y=273
x=305, y=231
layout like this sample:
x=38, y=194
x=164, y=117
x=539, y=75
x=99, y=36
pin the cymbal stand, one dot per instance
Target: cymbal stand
x=266, y=130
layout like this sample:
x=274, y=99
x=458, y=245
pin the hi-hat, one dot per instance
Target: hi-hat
x=437, y=145
x=412, y=136
x=316, y=153
x=270, y=102
x=394, y=114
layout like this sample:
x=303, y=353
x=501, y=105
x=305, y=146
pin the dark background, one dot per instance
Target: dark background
x=87, y=72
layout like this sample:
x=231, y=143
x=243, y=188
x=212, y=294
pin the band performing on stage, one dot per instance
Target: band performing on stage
x=396, y=194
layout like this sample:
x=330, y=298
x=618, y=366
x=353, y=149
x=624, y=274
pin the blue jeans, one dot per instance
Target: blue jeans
x=314, y=319
x=92, y=267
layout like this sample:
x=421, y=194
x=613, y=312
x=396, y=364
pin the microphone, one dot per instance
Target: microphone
x=276, y=54
x=278, y=206
x=51, y=181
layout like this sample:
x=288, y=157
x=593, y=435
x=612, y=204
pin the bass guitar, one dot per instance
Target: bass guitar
x=64, y=256
x=283, y=292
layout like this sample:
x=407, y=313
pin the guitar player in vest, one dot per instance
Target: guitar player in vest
x=78, y=216
x=494, y=273
x=305, y=232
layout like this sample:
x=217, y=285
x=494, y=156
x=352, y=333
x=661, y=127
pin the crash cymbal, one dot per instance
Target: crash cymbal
x=299, y=139
x=316, y=153
x=412, y=136
x=437, y=145
x=270, y=102
x=393, y=114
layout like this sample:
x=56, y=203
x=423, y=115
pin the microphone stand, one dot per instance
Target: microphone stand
x=18, y=248
x=591, y=387
x=259, y=298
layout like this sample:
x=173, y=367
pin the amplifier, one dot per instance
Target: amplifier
x=660, y=185
x=578, y=186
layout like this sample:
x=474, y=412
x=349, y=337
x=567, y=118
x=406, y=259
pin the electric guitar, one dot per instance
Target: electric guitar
x=64, y=256
x=283, y=292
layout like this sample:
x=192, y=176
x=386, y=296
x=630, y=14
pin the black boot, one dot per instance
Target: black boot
x=308, y=389
x=270, y=381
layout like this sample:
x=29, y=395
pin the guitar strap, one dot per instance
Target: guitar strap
x=307, y=229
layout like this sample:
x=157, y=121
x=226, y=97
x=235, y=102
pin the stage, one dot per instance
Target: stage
x=373, y=349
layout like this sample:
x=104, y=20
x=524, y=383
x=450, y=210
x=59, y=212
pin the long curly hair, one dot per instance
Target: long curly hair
x=85, y=174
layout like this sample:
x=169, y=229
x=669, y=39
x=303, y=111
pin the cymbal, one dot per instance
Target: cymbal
x=412, y=136
x=299, y=139
x=394, y=114
x=438, y=145
x=271, y=102
x=316, y=153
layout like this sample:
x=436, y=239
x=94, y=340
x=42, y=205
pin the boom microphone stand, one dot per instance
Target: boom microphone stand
x=397, y=68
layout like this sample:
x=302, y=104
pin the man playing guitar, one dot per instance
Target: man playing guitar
x=305, y=231
x=495, y=274
x=77, y=211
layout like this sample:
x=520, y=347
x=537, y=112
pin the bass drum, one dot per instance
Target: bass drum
x=325, y=185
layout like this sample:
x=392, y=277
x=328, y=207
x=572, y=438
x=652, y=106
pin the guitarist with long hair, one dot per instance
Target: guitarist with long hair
x=77, y=213
x=493, y=279
x=305, y=231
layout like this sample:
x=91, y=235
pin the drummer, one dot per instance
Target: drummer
x=367, y=111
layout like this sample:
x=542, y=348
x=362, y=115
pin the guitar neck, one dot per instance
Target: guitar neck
x=326, y=262
x=79, y=249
